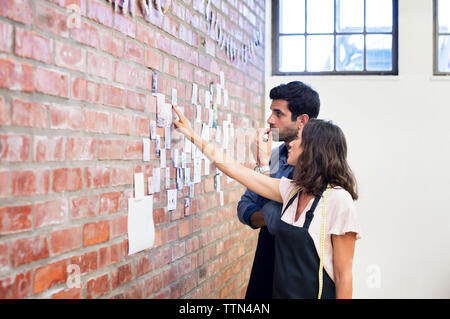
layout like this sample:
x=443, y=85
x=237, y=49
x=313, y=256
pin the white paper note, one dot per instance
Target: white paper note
x=167, y=137
x=221, y=198
x=207, y=99
x=152, y=129
x=198, y=117
x=211, y=117
x=139, y=186
x=146, y=150
x=197, y=170
x=150, y=185
x=218, y=134
x=207, y=165
x=141, y=230
x=157, y=146
x=222, y=79
x=183, y=159
x=174, y=97
x=187, y=176
x=225, y=98
x=171, y=199
x=187, y=145
x=156, y=179
x=167, y=176
x=194, y=93
x=162, y=159
x=218, y=94
x=176, y=158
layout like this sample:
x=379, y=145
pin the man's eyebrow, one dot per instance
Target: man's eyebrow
x=277, y=110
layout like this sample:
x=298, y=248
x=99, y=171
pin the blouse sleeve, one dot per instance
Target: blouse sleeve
x=286, y=187
x=342, y=215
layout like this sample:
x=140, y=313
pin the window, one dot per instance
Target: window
x=334, y=37
x=442, y=37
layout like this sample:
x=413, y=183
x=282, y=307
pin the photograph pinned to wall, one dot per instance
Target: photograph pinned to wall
x=215, y=115
x=162, y=158
x=197, y=170
x=217, y=182
x=194, y=98
x=171, y=199
x=167, y=177
x=150, y=185
x=139, y=186
x=179, y=179
x=183, y=160
x=187, y=207
x=211, y=92
x=164, y=112
x=156, y=179
x=198, y=117
x=152, y=129
x=187, y=176
x=146, y=149
x=191, y=190
x=158, y=146
x=176, y=158
x=141, y=230
x=154, y=83
x=167, y=137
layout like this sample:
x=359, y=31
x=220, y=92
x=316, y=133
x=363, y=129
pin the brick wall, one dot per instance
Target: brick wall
x=75, y=104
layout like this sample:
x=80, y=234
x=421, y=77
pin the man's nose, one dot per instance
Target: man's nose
x=270, y=120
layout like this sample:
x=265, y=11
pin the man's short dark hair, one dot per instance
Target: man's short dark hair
x=301, y=98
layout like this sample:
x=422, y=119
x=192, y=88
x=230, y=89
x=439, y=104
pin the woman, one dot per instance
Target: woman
x=316, y=232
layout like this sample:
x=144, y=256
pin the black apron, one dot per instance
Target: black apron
x=296, y=269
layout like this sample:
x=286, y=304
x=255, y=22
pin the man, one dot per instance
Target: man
x=293, y=104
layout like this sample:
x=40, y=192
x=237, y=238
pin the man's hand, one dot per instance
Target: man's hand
x=263, y=147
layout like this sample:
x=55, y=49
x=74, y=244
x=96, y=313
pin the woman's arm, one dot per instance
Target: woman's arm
x=261, y=184
x=343, y=250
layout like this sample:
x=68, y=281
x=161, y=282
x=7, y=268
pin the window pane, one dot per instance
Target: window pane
x=444, y=15
x=379, y=52
x=379, y=15
x=292, y=53
x=349, y=52
x=349, y=15
x=320, y=16
x=444, y=54
x=292, y=16
x=320, y=55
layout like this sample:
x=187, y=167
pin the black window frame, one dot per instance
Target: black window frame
x=436, y=34
x=276, y=36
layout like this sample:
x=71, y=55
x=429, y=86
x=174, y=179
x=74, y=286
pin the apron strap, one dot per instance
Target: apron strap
x=292, y=196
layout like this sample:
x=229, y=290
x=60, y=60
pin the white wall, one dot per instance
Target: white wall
x=398, y=134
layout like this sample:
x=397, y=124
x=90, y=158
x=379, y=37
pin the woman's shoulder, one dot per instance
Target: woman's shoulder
x=341, y=197
x=286, y=187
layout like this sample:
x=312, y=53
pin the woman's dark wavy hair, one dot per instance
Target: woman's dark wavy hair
x=324, y=159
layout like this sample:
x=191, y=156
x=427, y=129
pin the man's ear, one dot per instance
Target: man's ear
x=302, y=119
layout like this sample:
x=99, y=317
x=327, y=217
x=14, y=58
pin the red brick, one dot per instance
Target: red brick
x=74, y=293
x=141, y=126
x=171, y=66
x=27, y=250
x=145, y=34
x=100, y=12
x=15, y=218
x=119, y=226
x=136, y=101
x=98, y=287
x=153, y=59
x=86, y=34
x=66, y=118
x=70, y=57
x=29, y=44
x=65, y=239
x=87, y=262
x=122, y=176
x=143, y=266
x=52, y=83
x=110, y=149
x=49, y=275
x=186, y=72
x=113, y=96
x=51, y=20
x=5, y=119
x=94, y=233
x=29, y=114
x=133, y=150
x=4, y=184
x=125, y=24
x=178, y=49
x=84, y=206
x=26, y=183
x=123, y=275
x=97, y=176
x=97, y=122
x=100, y=65
x=94, y=92
x=50, y=212
x=121, y=123
x=184, y=228
x=81, y=148
x=18, y=11
x=16, y=75
x=134, y=52
x=153, y=284
x=15, y=287
x=111, y=254
x=49, y=148
x=79, y=89
x=112, y=44
x=110, y=202
x=67, y=179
